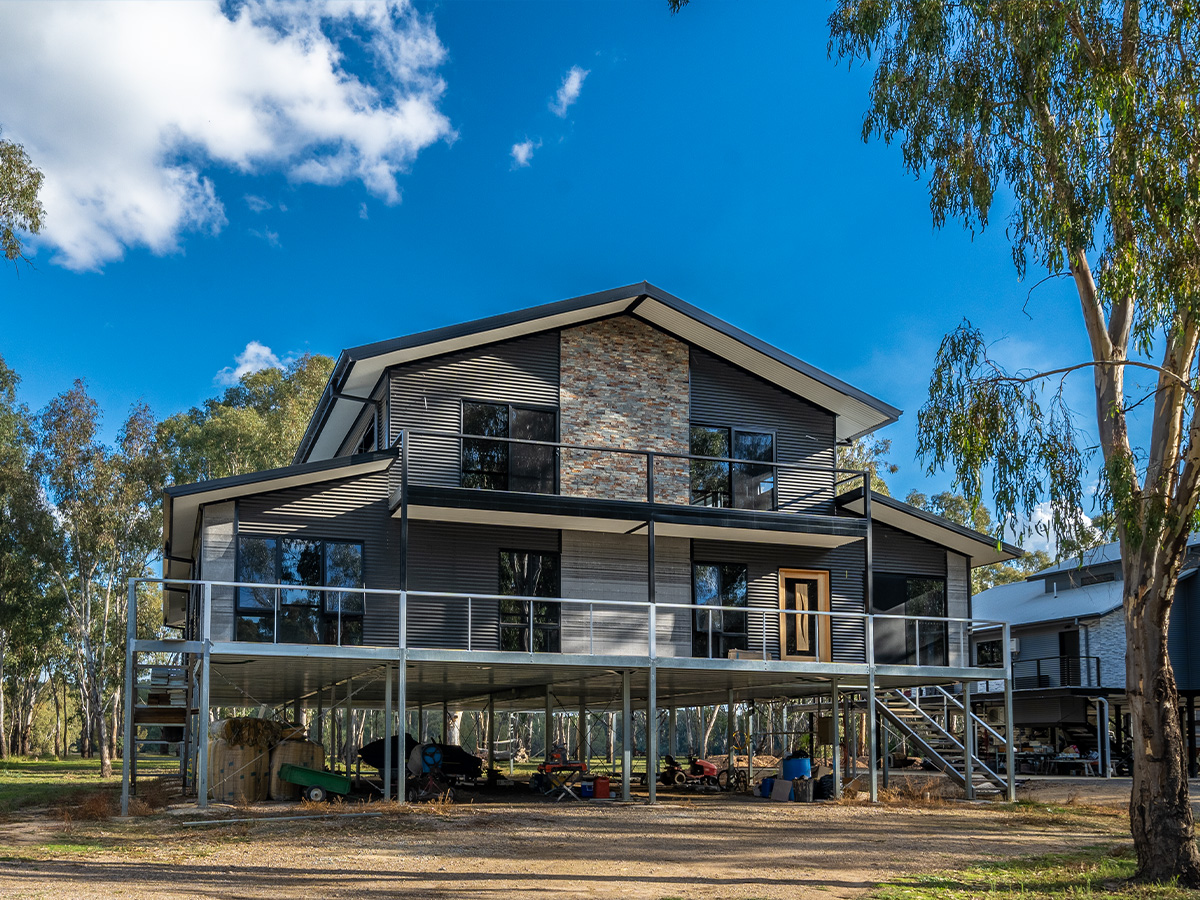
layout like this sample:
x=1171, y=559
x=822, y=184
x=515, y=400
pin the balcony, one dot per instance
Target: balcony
x=515, y=629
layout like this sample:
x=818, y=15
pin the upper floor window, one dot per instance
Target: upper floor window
x=366, y=443
x=742, y=485
x=504, y=466
x=921, y=638
x=304, y=616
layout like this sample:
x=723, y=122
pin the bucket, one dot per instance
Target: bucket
x=586, y=790
x=768, y=785
x=600, y=788
x=796, y=768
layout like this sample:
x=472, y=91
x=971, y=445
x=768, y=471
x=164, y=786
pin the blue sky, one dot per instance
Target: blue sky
x=716, y=153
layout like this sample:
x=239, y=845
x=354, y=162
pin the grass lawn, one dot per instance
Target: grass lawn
x=1091, y=872
x=49, y=782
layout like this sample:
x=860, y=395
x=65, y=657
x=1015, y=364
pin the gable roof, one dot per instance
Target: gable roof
x=981, y=549
x=358, y=369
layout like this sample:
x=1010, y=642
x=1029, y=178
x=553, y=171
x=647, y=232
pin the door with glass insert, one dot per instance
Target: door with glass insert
x=804, y=635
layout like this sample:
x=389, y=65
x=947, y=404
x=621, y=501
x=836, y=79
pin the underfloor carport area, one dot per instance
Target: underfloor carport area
x=286, y=681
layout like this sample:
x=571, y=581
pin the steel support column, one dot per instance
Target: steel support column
x=1010, y=768
x=968, y=742
x=581, y=736
x=491, y=736
x=401, y=715
x=348, y=729
x=130, y=698
x=872, y=717
x=205, y=693
x=652, y=733
x=626, y=732
x=835, y=737
x=549, y=729
x=387, y=732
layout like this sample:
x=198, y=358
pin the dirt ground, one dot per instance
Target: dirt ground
x=687, y=846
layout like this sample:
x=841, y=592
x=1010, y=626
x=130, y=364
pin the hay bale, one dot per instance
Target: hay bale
x=308, y=754
x=247, y=732
x=237, y=773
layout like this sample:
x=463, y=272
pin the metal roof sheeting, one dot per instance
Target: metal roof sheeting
x=1027, y=602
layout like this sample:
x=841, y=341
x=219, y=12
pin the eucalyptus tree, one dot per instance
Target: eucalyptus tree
x=256, y=424
x=1082, y=119
x=20, y=208
x=106, y=505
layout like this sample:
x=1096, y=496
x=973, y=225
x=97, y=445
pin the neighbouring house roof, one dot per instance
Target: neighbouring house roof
x=1098, y=556
x=982, y=549
x=1028, y=602
x=358, y=369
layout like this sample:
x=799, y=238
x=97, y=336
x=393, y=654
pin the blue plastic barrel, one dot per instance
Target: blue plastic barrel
x=796, y=768
x=768, y=785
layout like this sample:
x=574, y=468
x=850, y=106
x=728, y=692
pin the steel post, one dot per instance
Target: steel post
x=128, y=741
x=401, y=715
x=835, y=737
x=1010, y=772
x=968, y=743
x=652, y=732
x=626, y=732
x=202, y=717
x=872, y=717
x=387, y=733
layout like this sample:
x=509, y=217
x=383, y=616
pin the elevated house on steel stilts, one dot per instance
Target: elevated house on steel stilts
x=613, y=500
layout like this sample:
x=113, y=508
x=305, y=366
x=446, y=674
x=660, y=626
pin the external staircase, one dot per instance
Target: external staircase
x=161, y=718
x=912, y=718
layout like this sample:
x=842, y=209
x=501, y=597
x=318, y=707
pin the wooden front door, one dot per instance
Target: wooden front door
x=804, y=636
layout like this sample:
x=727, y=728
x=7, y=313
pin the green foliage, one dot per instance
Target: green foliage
x=20, y=209
x=867, y=454
x=257, y=424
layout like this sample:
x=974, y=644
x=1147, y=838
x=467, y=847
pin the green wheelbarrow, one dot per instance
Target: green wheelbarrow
x=314, y=784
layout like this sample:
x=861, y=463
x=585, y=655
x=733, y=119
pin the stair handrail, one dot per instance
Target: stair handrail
x=932, y=721
x=944, y=764
x=976, y=762
x=997, y=735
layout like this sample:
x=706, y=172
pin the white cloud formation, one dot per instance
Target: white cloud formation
x=522, y=153
x=254, y=358
x=266, y=234
x=568, y=92
x=362, y=211
x=257, y=204
x=124, y=106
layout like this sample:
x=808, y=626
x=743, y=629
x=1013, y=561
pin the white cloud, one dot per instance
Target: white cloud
x=257, y=204
x=126, y=106
x=254, y=358
x=568, y=92
x=522, y=153
x=362, y=211
x=271, y=237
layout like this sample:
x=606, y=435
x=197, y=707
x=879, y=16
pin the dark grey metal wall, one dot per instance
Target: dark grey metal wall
x=763, y=562
x=351, y=509
x=724, y=395
x=905, y=554
x=613, y=567
x=458, y=558
x=429, y=395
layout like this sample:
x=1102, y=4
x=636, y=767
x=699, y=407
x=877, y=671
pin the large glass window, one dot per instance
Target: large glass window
x=525, y=625
x=748, y=485
x=304, y=616
x=502, y=465
x=715, y=632
x=912, y=641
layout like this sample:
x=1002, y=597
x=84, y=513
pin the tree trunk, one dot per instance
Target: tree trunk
x=708, y=730
x=1160, y=813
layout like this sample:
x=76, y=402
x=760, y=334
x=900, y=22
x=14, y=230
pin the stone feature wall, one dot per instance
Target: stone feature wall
x=623, y=383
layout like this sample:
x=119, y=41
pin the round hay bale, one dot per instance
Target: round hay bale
x=247, y=732
x=308, y=754
x=237, y=774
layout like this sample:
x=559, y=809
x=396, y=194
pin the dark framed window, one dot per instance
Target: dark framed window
x=366, y=443
x=305, y=616
x=502, y=465
x=718, y=584
x=742, y=485
x=910, y=641
x=529, y=626
x=989, y=653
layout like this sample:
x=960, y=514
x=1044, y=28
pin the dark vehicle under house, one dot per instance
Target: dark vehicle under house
x=613, y=499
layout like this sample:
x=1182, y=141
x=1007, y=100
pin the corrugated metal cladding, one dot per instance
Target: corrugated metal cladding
x=958, y=605
x=1035, y=711
x=351, y=509
x=904, y=554
x=429, y=394
x=722, y=394
x=763, y=562
x=459, y=559
x=217, y=563
x=1183, y=633
x=614, y=567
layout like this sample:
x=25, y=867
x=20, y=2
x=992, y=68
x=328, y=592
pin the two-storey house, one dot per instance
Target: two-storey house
x=612, y=499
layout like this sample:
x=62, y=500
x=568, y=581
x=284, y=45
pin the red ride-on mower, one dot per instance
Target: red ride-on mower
x=698, y=772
